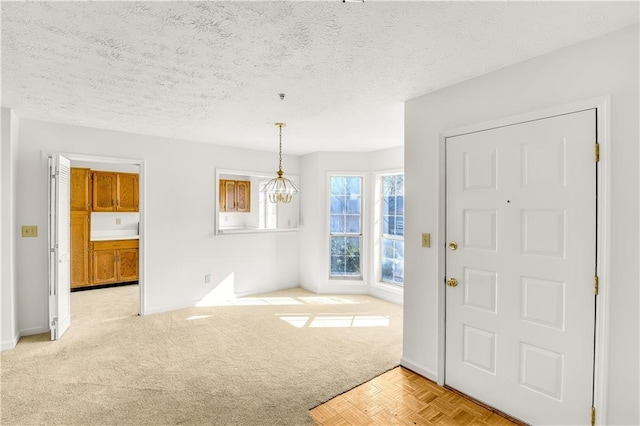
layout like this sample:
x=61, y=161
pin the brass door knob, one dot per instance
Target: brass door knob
x=453, y=245
x=452, y=282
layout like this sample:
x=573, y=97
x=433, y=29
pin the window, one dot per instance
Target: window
x=267, y=211
x=346, y=226
x=392, y=240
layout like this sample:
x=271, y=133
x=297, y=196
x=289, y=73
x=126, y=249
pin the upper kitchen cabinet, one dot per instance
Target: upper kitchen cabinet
x=235, y=195
x=127, y=192
x=115, y=192
x=80, y=189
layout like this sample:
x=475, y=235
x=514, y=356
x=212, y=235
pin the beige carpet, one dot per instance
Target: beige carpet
x=262, y=360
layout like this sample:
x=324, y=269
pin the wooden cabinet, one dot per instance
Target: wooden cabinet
x=79, y=245
x=127, y=192
x=115, y=192
x=114, y=261
x=80, y=189
x=235, y=195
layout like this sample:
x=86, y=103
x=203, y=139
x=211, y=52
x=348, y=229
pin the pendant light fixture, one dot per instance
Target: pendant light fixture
x=280, y=189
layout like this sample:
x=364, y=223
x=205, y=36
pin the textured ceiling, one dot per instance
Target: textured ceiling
x=211, y=71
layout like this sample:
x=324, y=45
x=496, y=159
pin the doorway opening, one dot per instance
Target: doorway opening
x=105, y=234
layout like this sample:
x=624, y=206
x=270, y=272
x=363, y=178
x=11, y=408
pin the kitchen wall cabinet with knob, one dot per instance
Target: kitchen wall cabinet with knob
x=115, y=192
x=235, y=196
x=114, y=261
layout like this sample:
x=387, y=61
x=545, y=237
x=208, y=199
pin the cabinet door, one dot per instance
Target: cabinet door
x=79, y=245
x=104, y=266
x=104, y=191
x=127, y=192
x=80, y=189
x=228, y=195
x=127, y=265
x=243, y=196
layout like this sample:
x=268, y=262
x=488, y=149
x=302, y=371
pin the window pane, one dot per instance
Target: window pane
x=400, y=204
x=399, y=225
x=353, y=224
x=338, y=185
x=337, y=204
x=345, y=256
x=337, y=223
x=354, y=185
x=337, y=265
x=353, y=204
x=389, y=205
x=338, y=246
x=392, y=261
x=388, y=225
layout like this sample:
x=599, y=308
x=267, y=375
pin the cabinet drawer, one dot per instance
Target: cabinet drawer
x=115, y=244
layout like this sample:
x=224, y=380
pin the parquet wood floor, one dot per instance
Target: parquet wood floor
x=402, y=397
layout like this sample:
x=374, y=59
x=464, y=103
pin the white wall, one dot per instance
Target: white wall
x=605, y=66
x=178, y=209
x=8, y=229
x=314, y=237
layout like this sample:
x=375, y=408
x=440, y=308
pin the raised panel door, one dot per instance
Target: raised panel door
x=80, y=189
x=243, y=196
x=521, y=204
x=104, y=191
x=227, y=195
x=127, y=192
x=79, y=245
x=104, y=266
x=127, y=265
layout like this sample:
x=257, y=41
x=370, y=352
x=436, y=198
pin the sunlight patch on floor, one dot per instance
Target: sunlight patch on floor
x=334, y=321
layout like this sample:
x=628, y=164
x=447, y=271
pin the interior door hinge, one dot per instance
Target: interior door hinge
x=596, y=285
x=597, y=152
x=593, y=416
x=54, y=321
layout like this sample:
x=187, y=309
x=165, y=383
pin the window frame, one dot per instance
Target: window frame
x=361, y=235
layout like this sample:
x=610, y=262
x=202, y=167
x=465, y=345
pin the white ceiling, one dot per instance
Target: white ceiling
x=212, y=71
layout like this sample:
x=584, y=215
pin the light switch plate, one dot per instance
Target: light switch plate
x=29, y=231
x=426, y=240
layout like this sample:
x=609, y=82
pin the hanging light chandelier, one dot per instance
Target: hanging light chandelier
x=280, y=189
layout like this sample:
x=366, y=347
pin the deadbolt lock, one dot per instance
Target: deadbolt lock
x=452, y=282
x=453, y=245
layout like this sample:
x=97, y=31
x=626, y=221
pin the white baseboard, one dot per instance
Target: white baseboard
x=390, y=295
x=420, y=369
x=194, y=303
x=9, y=344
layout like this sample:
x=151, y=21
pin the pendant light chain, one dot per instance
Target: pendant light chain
x=280, y=150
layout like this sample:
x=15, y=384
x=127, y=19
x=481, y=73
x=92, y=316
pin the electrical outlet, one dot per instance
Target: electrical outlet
x=207, y=279
x=426, y=240
x=118, y=221
x=29, y=231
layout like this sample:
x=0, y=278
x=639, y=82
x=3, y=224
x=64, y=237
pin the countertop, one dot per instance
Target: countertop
x=113, y=236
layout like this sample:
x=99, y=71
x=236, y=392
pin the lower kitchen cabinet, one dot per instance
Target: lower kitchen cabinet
x=114, y=261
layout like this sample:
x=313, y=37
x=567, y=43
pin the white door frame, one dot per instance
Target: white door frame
x=142, y=209
x=603, y=120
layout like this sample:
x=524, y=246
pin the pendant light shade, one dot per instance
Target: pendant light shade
x=280, y=189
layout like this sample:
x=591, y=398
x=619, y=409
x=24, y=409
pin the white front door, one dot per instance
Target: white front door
x=521, y=207
x=59, y=247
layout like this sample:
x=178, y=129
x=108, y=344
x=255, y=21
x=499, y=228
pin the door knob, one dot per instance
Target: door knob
x=452, y=282
x=453, y=245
